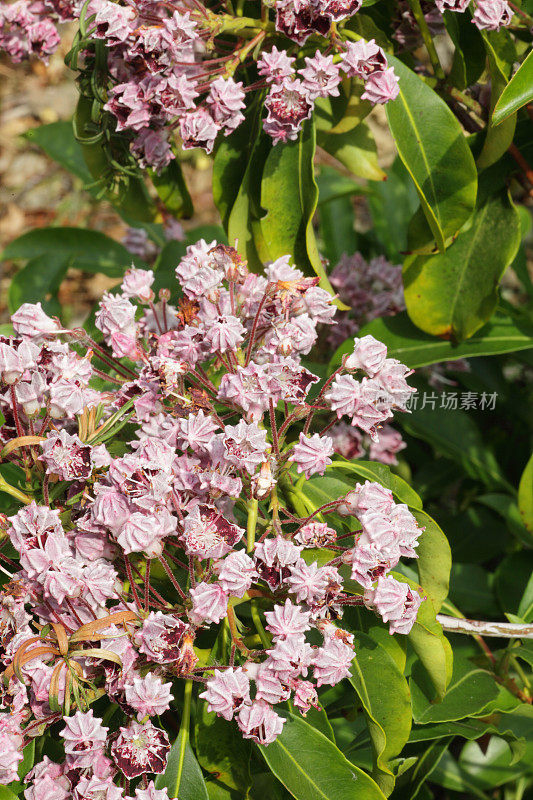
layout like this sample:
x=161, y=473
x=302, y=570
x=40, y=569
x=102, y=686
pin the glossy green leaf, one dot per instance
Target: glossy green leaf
x=525, y=496
x=182, y=777
x=39, y=281
x=58, y=141
x=501, y=55
x=432, y=146
x=434, y=559
x=172, y=190
x=87, y=250
x=453, y=294
x=517, y=93
x=313, y=768
x=471, y=590
x=454, y=434
x=512, y=581
x=337, y=230
x=355, y=149
x=380, y=473
x=289, y=195
x=470, y=691
x=388, y=713
x=469, y=57
x=416, y=349
x=332, y=186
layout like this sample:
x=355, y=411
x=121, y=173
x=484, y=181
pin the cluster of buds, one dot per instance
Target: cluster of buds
x=158, y=501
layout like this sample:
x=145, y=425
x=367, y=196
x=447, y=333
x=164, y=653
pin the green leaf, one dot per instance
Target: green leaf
x=38, y=281
x=87, y=250
x=501, y=55
x=507, y=508
x=470, y=691
x=434, y=559
x=183, y=773
x=388, y=713
x=469, y=57
x=7, y=794
x=355, y=149
x=332, y=186
x=471, y=590
x=312, y=768
x=513, y=582
x=58, y=141
x=380, y=473
x=455, y=435
x=433, y=147
x=517, y=93
x=425, y=766
x=453, y=294
x=237, y=172
x=289, y=195
x=172, y=190
x=430, y=644
x=525, y=495
x=416, y=349
x=392, y=203
x=337, y=229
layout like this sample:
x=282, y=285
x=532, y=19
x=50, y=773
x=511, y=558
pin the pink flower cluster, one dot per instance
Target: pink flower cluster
x=163, y=76
x=183, y=459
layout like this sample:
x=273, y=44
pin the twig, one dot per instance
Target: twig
x=499, y=630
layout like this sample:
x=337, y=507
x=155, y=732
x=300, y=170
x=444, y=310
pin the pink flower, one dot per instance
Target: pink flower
x=332, y=662
x=288, y=104
x=198, y=129
x=226, y=101
x=85, y=738
x=452, y=5
x=321, y=76
x=140, y=749
x=248, y=388
x=312, y=454
x=11, y=740
x=209, y=603
x=274, y=558
x=307, y=581
x=381, y=87
x=363, y=58
x=161, y=636
x=275, y=66
x=144, y=532
x=368, y=355
x=290, y=657
x=207, y=534
x=260, y=722
x=151, y=793
x=315, y=534
x=269, y=686
x=96, y=788
x=245, y=445
x=66, y=456
x=137, y=284
x=492, y=14
x=225, y=333
x=227, y=691
x=30, y=320
x=305, y=696
x=148, y=695
x=287, y=620
x=368, y=563
x=236, y=573
x=395, y=602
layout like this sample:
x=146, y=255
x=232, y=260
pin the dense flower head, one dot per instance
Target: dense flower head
x=163, y=508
